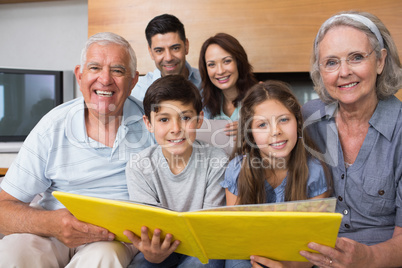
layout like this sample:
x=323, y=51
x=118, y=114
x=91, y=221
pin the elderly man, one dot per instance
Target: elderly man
x=80, y=147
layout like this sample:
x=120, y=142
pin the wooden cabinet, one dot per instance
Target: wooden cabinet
x=3, y=172
x=277, y=35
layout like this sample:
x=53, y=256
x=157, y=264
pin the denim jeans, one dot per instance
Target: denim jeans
x=175, y=260
x=237, y=264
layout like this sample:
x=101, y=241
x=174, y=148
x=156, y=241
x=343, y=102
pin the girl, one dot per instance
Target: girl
x=271, y=163
x=226, y=76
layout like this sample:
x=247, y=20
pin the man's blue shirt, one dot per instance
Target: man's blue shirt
x=59, y=155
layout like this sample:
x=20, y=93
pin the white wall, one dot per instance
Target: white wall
x=42, y=35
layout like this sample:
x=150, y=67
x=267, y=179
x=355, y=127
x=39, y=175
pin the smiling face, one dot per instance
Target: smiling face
x=174, y=126
x=221, y=67
x=105, y=81
x=274, y=129
x=350, y=84
x=169, y=53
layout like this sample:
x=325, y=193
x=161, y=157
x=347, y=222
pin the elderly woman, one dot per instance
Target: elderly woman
x=357, y=123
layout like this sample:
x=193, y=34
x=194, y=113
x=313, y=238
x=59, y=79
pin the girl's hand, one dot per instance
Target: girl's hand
x=154, y=251
x=231, y=129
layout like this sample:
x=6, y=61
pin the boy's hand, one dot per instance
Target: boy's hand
x=154, y=251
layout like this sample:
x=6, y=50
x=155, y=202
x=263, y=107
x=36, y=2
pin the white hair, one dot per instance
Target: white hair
x=105, y=38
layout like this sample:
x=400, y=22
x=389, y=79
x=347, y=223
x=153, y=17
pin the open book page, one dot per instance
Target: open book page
x=311, y=205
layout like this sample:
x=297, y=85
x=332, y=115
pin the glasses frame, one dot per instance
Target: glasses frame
x=339, y=61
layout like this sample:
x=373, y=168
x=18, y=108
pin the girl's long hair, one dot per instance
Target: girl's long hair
x=252, y=177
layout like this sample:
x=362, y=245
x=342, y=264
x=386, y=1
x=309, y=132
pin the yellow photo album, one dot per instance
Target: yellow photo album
x=278, y=231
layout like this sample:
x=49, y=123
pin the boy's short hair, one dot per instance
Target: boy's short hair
x=173, y=88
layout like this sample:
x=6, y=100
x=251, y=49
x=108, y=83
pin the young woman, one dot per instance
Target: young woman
x=226, y=77
x=271, y=163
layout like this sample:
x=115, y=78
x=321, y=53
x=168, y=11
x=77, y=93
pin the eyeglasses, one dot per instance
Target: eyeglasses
x=332, y=64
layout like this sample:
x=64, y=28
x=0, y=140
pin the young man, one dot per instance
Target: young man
x=81, y=146
x=168, y=47
x=179, y=173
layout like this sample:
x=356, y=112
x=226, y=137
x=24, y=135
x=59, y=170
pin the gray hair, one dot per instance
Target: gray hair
x=105, y=38
x=388, y=82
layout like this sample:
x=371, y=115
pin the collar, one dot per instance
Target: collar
x=233, y=117
x=75, y=128
x=386, y=115
x=191, y=73
x=133, y=111
x=326, y=111
x=384, y=118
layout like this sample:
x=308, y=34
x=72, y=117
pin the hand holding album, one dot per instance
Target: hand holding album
x=219, y=233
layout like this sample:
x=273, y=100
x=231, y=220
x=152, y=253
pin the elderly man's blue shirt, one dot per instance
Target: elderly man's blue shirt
x=59, y=155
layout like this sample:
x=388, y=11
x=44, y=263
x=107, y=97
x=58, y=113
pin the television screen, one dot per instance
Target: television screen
x=25, y=96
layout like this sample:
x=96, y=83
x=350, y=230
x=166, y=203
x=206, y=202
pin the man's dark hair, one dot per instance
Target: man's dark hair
x=163, y=24
x=173, y=88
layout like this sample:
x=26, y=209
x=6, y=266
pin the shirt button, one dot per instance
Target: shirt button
x=345, y=212
x=381, y=192
x=342, y=176
x=340, y=198
x=347, y=225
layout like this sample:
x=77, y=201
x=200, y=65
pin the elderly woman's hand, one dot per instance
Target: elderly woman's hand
x=347, y=253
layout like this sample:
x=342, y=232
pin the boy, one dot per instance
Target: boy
x=179, y=173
